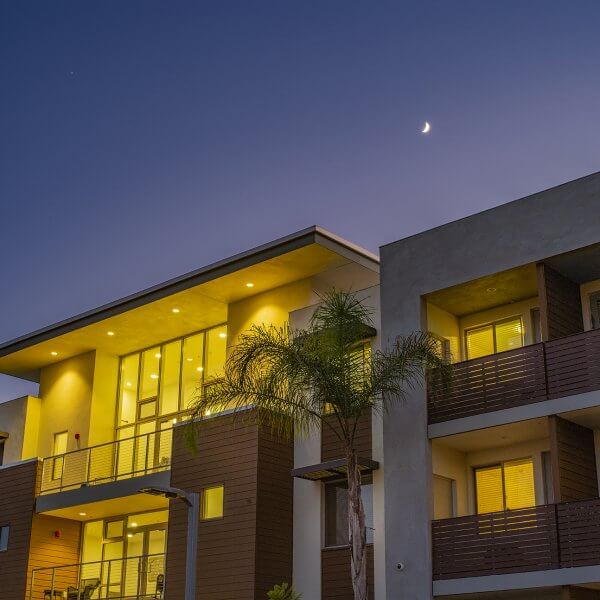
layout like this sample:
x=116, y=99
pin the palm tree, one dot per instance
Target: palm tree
x=300, y=380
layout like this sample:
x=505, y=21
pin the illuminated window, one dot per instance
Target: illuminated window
x=212, y=502
x=506, y=486
x=4, y=531
x=59, y=447
x=494, y=337
x=162, y=380
x=595, y=310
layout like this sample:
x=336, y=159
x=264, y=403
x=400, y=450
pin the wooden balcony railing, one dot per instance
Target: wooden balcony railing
x=530, y=539
x=522, y=376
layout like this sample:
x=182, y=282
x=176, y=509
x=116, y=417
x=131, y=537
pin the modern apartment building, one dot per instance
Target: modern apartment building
x=491, y=486
x=114, y=388
x=483, y=490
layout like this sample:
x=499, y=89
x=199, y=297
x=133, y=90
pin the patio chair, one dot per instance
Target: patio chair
x=84, y=591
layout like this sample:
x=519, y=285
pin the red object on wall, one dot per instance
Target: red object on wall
x=77, y=436
x=57, y=533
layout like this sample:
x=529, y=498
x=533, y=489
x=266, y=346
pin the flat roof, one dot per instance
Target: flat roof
x=300, y=254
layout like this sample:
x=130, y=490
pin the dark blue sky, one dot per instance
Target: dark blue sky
x=142, y=139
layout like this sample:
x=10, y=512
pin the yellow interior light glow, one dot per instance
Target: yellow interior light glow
x=111, y=333
x=175, y=310
x=222, y=335
x=54, y=353
x=249, y=285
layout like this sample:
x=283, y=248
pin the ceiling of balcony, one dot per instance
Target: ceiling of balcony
x=487, y=292
x=580, y=265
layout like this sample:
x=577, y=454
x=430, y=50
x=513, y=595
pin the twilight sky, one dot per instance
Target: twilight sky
x=142, y=139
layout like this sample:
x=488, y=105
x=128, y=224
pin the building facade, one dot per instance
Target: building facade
x=491, y=486
x=485, y=489
x=115, y=386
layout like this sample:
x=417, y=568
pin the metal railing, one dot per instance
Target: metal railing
x=132, y=578
x=122, y=459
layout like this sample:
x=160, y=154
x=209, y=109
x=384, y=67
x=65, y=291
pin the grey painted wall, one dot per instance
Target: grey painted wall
x=528, y=230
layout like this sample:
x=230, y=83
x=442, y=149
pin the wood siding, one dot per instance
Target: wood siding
x=336, y=582
x=494, y=543
x=274, y=514
x=573, y=461
x=331, y=448
x=572, y=364
x=526, y=375
x=560, y=304
x=490, y=383
x=530, y=539
x=18, y=485
x=47, y=550
x=235, y=561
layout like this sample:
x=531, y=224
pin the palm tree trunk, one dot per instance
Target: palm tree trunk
x=357, y=531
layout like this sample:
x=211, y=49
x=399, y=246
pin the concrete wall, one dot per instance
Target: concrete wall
x=446, y=325
x=526, y=231
x=22, y=441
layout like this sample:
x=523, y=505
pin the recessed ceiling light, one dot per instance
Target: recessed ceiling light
x=189, y=359
x=130, y=535
x=200, y=369
x=491, y=290
x=154, y=376
x=249, y=285
x=222, y=335
x=175, y=310
x=82, y=514
x=111, y=333
x=157, y=355
x=54, y=353
x=134, y=524
x=128, y=384
x=174, y=421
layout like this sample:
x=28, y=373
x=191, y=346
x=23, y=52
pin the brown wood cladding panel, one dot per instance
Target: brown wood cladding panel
x=560, y=304
x=490, y=383
x=572, y=364
x=496, y=543
x=336, y=582
x=226, y=454
x=579, y=533
x=578, y=593
x=573, y=461
x=18, y=485
x=274, y=519
x=47, y=550
x=332, y=448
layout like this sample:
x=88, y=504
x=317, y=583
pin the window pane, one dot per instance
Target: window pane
x=128, y=388
x=489, y=490
x=147, y=409
x=480, y=341
x=212, y=504
x=114, y=529
x=60, y=442
x=509, y=335
x=150, y=518
x=150, y=373
x=519, y=487
x=169, y=380
x=215, y=352
x=336, y=512
x=92, y=549
x=4, y=538
x=193, y=367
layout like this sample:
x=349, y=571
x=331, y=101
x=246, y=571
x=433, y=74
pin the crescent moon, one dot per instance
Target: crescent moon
x=426, y=128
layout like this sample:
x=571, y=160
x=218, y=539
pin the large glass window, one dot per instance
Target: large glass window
x=158, y=383
x=506, y=486
x=494, y=337
x=336, y=512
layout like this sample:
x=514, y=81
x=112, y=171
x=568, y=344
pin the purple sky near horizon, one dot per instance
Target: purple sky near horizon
x=143, y=139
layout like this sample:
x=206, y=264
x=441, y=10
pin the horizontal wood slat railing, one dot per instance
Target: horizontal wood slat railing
x=517, y=377
x=544, y=537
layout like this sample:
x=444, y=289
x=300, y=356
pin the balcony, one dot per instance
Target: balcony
x=553, y=536
x=134, y=578
x=105, y=463
x=534, y=373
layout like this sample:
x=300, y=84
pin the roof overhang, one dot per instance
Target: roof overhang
x=201, y=295
x=334, y=469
